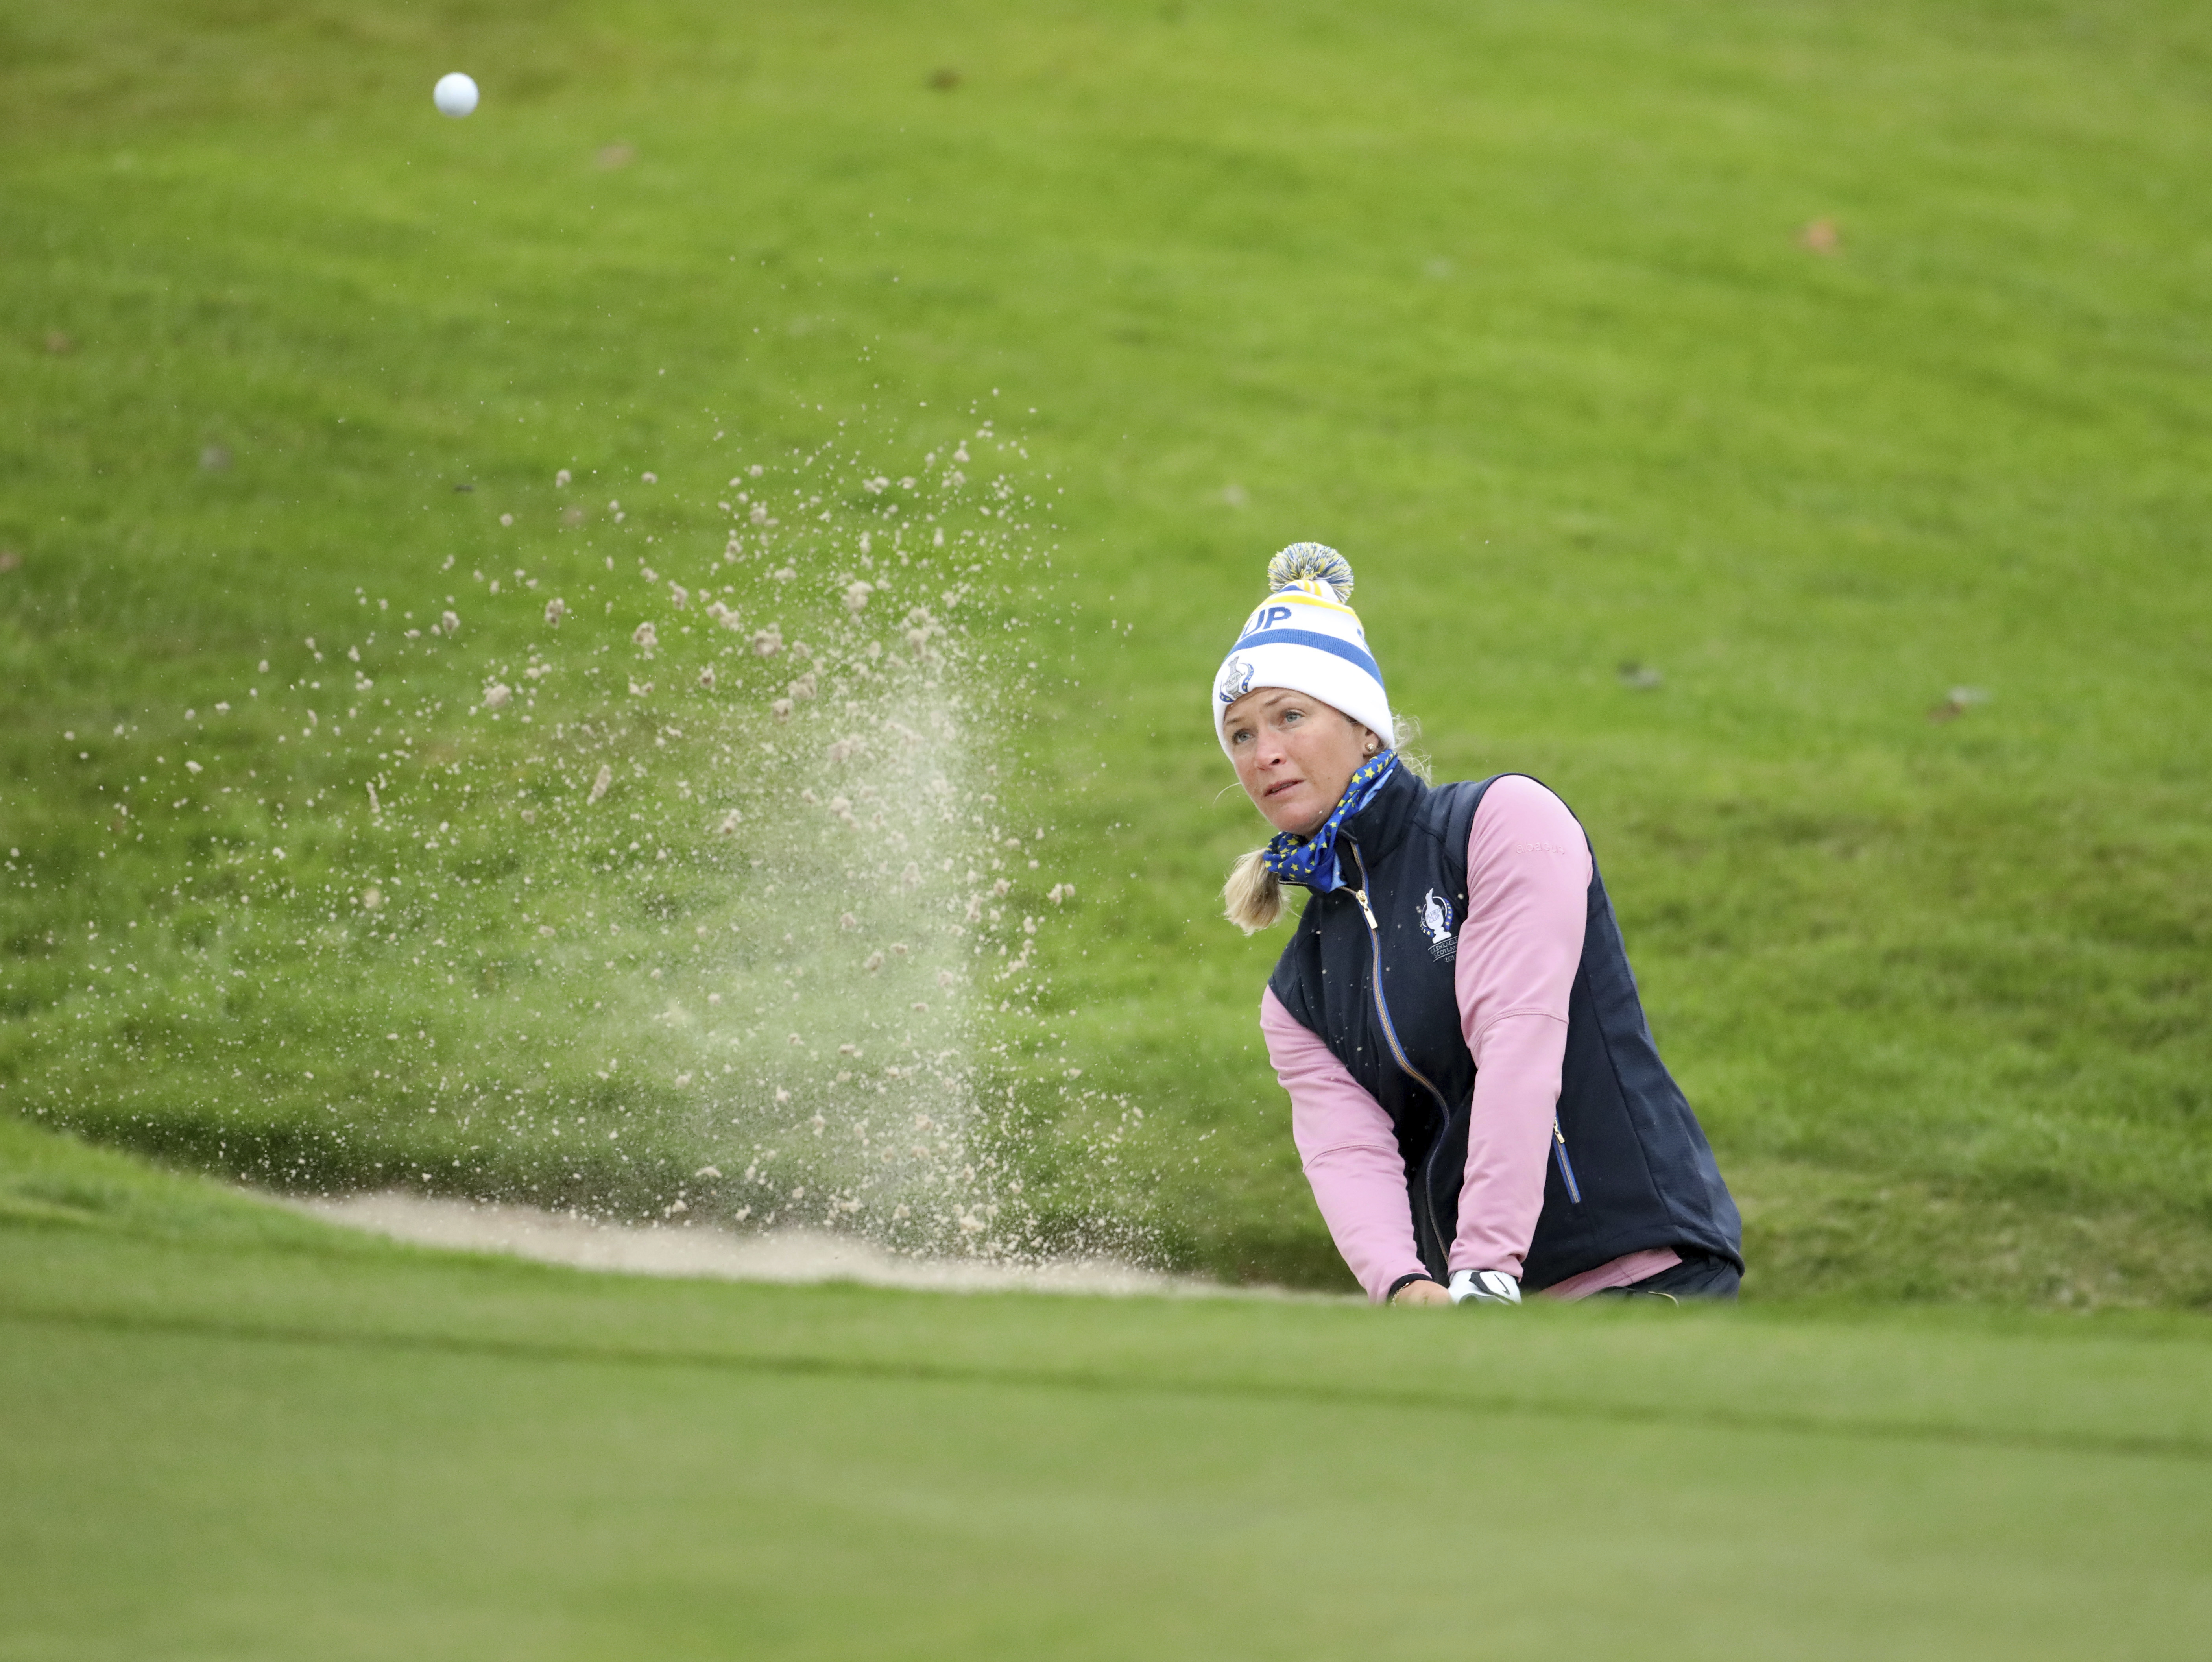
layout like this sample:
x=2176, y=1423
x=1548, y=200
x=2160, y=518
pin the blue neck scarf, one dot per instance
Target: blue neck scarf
x=1310, y=861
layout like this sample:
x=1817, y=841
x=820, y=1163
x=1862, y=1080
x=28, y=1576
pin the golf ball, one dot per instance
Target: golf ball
x=455, y=95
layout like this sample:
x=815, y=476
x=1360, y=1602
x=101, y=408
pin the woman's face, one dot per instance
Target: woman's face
x=1294, y=755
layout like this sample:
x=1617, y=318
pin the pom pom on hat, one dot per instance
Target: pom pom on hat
x=1315, y=561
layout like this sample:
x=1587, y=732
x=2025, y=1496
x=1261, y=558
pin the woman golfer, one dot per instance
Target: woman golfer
x=1475, y=1093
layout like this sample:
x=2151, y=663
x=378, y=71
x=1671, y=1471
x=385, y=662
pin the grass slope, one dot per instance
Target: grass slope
x=1511, y=304
x=235, y=1433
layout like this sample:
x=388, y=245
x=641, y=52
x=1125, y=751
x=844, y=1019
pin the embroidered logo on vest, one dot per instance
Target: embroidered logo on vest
x=1436, y=924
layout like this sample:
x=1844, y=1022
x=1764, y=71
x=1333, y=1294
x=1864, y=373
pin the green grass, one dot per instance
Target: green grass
x=234, y=1432
x=1507, y=302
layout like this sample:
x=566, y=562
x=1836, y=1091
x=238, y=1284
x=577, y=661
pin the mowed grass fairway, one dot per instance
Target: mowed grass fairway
x=233, y=1434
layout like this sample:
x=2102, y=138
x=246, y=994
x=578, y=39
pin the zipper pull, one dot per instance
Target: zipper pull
x=1566, y=1166
x=1360, y=893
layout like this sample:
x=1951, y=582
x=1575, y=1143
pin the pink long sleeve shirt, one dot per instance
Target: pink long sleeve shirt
x=1527, y=882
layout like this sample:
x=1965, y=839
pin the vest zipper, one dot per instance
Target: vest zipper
x=1405, y=1062
x=1566, y=1165
x=1382, y=1008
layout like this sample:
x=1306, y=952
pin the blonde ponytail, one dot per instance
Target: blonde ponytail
x=1252, y=898
x=1408, y=736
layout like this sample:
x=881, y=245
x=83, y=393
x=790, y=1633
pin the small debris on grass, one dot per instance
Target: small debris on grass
x=1821, y=236
x=1961, y=700
x=606, y=778
x=1642, y=677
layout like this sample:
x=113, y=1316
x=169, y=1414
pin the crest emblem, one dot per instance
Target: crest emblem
x=1235, y=679
x=1436, y=914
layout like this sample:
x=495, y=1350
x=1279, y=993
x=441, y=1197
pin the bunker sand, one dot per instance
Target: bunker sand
x=703, y=1252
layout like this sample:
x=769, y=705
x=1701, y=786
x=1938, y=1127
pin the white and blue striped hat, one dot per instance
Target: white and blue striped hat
x=1305, y=638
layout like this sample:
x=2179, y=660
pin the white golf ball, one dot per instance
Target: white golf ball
x=455, y=95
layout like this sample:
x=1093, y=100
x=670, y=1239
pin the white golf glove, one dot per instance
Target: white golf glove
x=1484, y=1287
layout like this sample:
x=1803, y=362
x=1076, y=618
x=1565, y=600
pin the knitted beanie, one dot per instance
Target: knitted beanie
x=1304, y=638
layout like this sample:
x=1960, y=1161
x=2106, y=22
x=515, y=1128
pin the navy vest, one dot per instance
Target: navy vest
x=1631, y=1169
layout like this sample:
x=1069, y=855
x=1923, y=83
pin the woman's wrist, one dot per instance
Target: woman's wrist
x=1404, y=1281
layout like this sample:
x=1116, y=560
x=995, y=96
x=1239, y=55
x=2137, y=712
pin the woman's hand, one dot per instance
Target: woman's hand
x=1423, y=1292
